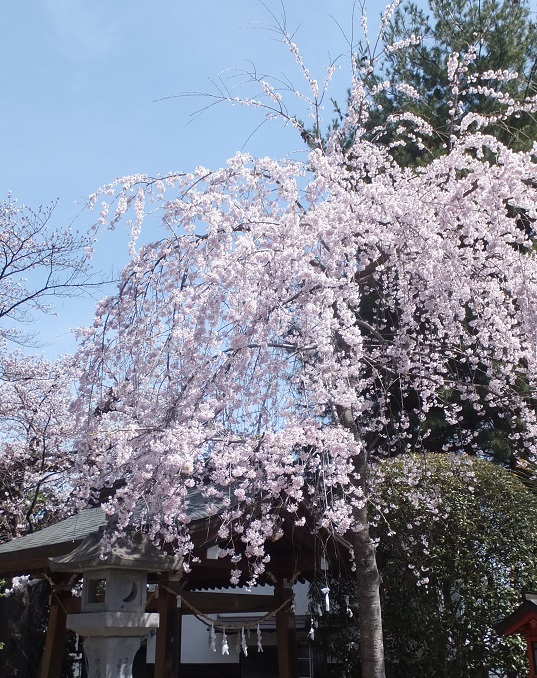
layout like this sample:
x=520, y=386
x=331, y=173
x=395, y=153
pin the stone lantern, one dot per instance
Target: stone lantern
x=523, y=621
x=113, y=620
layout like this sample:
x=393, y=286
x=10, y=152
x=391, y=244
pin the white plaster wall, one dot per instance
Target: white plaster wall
x=195, y=647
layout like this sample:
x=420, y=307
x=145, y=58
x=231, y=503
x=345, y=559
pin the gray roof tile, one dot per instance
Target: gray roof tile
x=87, y=522
x=71, y=529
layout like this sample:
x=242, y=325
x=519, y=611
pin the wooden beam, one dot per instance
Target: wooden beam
x=33, y=560
x=54, y=651
x=72, y=605
x=286, y=633
x=168, y=650
x=214, y=603
x=209, y=602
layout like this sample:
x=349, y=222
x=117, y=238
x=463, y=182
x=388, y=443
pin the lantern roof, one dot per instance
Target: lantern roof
x=131, y=551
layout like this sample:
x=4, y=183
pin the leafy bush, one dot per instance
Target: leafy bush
x=457, y=542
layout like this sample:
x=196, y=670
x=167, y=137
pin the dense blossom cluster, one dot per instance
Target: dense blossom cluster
x=36, y=433
x=254, y=348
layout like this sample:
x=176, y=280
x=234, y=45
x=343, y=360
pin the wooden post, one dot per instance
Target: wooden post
x=286, y=632
x=168, y=649
x=54, y=651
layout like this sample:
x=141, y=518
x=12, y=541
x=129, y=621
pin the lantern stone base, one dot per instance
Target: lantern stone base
x=111, y=640
x=110, y=657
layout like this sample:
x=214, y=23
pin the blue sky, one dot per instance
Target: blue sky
x=87, y=95
x=83, y=97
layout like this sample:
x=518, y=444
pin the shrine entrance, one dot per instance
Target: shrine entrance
x=138, y=597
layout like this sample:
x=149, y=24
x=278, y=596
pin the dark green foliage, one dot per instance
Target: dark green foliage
x=503, y=34
x=505, y=39
x=457, y=545
x=23, y=623
x=337, y=633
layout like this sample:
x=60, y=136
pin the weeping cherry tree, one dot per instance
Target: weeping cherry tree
x=238, y=356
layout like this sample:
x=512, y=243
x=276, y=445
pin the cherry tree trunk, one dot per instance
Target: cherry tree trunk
x=370, y=614
x=367, y=574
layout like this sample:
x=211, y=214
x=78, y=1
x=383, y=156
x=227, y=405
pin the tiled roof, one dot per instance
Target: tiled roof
x=71, y=529
x=78, y=527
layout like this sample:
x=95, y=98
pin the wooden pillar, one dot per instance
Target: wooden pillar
x=54, y=651
x=168, y=649
x=531, y=642
x=286, y=632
